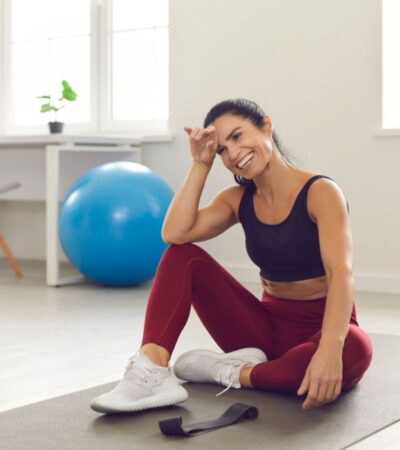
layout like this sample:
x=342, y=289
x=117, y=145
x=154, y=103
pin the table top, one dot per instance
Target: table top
x=58, y=139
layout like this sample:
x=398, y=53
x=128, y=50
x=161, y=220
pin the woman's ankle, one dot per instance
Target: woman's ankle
x=157, y=354
x=244, y=376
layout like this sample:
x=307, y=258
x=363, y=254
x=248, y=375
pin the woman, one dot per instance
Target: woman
x=302, y=338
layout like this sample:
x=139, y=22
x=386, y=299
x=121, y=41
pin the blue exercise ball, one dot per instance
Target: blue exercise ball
x=110, y=223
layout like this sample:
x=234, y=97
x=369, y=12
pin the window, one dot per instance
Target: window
x=391, y=64
x=114, y=53
x=50, y=41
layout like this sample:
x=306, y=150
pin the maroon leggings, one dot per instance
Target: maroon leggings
x=288, y=331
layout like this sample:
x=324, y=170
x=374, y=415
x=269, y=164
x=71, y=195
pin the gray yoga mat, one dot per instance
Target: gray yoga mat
x=67, y=422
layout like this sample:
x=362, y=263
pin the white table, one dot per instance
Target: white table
x=53, y=145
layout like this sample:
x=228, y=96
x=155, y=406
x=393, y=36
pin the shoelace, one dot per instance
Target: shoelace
x=225, y=376
x=131, y=360
x=137, y=370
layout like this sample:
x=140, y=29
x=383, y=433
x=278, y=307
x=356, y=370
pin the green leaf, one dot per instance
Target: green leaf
x=65, y=84
x=44, y=96
x=47, y=108
x=68, y=93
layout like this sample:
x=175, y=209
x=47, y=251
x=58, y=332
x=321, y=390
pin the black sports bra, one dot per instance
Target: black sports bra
x=287, y=251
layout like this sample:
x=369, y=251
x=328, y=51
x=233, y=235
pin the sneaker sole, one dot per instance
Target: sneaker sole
x=154, y=401
x=254, y=356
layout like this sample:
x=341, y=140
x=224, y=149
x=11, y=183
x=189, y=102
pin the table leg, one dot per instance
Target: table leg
x=52, y=190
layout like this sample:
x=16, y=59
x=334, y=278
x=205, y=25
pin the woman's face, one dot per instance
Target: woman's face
x=245, y=149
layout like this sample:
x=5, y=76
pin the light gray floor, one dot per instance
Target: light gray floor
x=55, y=341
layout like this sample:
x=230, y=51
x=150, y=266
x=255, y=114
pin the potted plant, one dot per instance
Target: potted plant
x=67, y=94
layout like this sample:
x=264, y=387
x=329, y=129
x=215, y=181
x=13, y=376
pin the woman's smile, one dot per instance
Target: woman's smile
x=245, y=162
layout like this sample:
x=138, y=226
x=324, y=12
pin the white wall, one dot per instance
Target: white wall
x=1, y=65
x=315, y=68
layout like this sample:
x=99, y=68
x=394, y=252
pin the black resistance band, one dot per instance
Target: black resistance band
x=235, y=413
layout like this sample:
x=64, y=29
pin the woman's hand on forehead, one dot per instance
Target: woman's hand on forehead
x=197, y=133
x=203, y=143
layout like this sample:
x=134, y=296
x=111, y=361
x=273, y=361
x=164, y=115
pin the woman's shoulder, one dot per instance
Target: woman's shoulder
x=317, y=179
x=325, y=191
x=322, y=182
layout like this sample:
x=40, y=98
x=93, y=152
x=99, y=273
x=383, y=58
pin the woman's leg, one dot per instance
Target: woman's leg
x=286, y=373
x=187, y=275
x=236, y=319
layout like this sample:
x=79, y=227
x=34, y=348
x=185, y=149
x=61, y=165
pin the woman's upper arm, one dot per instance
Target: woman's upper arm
x=327, y=204
x=214, y=218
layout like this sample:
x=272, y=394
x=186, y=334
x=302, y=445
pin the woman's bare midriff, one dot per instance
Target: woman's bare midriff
x=297, y=290
x=310, y=289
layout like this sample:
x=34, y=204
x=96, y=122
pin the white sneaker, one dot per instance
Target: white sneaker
x=144, y=385
x=206, y=366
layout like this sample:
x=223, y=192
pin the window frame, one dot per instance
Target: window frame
x=382, y=131
x=100, y=82
x=107, y=124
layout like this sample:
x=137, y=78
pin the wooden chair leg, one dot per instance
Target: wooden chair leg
x=9, y=256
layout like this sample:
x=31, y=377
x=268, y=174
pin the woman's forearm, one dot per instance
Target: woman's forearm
x=182, y=212
x=339, y=304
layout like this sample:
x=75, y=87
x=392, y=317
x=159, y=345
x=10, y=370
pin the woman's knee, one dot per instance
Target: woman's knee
x=358, y=343
x=183, y=251
x=357, y=355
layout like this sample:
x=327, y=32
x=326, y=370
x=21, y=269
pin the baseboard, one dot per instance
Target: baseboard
x=386, y=283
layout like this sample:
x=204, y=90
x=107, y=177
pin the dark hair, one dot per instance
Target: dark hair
x=248, y=110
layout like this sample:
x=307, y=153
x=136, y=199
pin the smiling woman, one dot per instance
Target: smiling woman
x=290, y=264
x=302, y=336
x=247, y=110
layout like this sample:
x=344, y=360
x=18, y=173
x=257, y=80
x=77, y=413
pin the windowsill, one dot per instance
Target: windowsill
x=386, y=132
